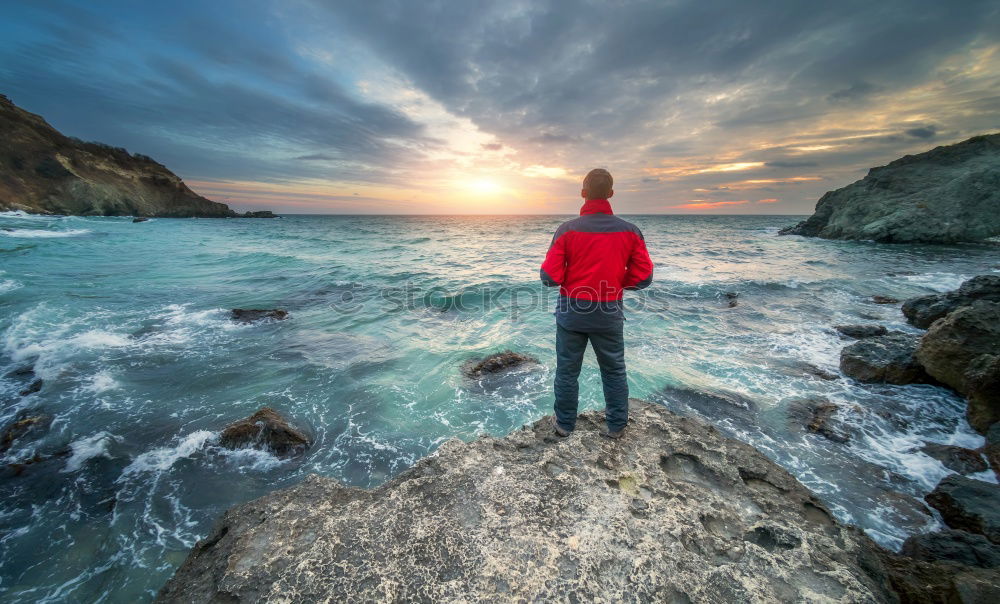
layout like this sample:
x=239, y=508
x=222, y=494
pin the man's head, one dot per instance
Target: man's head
x=598, y=185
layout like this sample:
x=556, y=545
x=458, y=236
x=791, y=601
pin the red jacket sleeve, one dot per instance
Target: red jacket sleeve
x=639, y=273
x=553, y=270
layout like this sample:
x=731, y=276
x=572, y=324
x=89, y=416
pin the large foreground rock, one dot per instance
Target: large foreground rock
x=962, y=350
x=674, y=512
x=890, y=359
x=924, y=310
x=968, y=505
x=946, y=195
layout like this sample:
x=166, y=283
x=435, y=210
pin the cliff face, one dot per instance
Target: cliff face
x=673, y=512
x=949, y=194
x=42, y=171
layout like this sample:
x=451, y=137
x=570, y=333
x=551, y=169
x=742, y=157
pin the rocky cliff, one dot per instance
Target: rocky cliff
x=673, y=512
x=42, y=171
x=949, y=194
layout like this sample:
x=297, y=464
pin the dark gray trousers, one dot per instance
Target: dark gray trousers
x=609, y=346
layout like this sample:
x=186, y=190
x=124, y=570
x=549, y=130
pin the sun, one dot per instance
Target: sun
x=484, y=186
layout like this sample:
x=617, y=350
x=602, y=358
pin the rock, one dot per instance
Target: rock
x=732, y=299
x=859, y=332
x=252, y=315
x=991, y=450
x=817, y=416
x=958, y=459
x=888, y=359
x=968, y=505
x=140, y=219
x=260, y=214
x=20, y=427
x=33, y=387
x=819, y=372
x=674, y=512
x=962, y=350
x=924, y=310
x=495, y=363
x=42, y=171
x=953, y=546
x=946, y=195
x=918, y=582
x=884, y=300
x=265, y=429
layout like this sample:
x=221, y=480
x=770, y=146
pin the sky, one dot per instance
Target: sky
x=431, y=107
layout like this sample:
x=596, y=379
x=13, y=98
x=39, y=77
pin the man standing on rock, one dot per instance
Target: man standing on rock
x=593, y=259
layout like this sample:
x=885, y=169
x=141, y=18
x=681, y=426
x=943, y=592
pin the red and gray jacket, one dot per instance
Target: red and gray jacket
x=593, y=259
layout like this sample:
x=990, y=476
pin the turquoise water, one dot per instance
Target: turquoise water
x=127, y=324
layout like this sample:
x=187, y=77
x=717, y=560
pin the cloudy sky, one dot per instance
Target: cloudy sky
x=423, y=106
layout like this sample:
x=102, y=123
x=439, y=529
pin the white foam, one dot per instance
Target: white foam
x=159, y=460
x=101, y=381
x=939, y=282
x=42, y=233
x=93, y=446
x=254, y=459
x=9, y=285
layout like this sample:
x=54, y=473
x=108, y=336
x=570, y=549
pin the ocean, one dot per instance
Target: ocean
x=128, y=327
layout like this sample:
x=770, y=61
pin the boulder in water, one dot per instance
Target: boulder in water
x=265, y=429
x=497, y=363
x=946, y=195
x=968, y=505
x=958, y=459
x=818, y=416
x=260, y=214
x=884, y=300
x=252, y=315
x=33, y=387
x=924, y=310
x=673, y=512
x=21, y=427
x=889, y=359
x=962, y=350
x=950, y=545
x=859, y=332
x=140, y=219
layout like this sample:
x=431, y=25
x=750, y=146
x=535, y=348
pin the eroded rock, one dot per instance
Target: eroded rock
x=968, y=505
x=266, y=429
x=859, y=332
x=962, y=350
x=673, y=512
x=252, y=315
x=890, y=359
x=950, y=545
x=922, y=311
x=497, y=363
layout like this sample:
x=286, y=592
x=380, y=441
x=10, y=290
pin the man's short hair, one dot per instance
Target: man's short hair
x=598, y=184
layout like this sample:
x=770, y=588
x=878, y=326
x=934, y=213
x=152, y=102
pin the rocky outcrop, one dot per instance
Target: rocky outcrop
x=252, y=315
x=962, y=350
x=889, y=359
x=946, y=195
x=957, y=459
x=260, y=214
x=924, y=310
x=43, y=171
x=674, y=512
x=496, y=363
x=266, y=429
x=859, y=332
x=968, y=505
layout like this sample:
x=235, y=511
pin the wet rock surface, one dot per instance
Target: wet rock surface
x=266, y=429
x=946, y=195
x=23, y=427
x=252, y=315
x=924, y=310
x=950, y=545
x=859, y=332
x=962, y=350
x=889, y=359
x=497, y=363
x=674, y=512
x=968, y=505
x=991, y=450
x=817, y=415
x=959, y=459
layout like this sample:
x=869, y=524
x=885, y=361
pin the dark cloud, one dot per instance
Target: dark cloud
x=922, y=132
x=790, y=163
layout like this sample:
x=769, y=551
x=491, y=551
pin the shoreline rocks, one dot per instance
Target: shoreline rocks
x=265, y=429
x=924, y=310
x=884, y=359
x=860, y=332
x=673, y=512
x=946, y=195
x=969, y=505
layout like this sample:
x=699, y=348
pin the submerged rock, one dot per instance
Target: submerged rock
x=33, y=387
x=950, y=545
x=991, y=450
x=265, y=429
x=884, y=300
x=496, y=363
x=817, y=416
x=962, y=350
x=674, y=512
x=946, y=195
x=21, y=427
x=968, y=505
x=889, y=359
x=140, y=219
x=251, y=315
x=958, y=459
x=859, y=332
x=924, y=310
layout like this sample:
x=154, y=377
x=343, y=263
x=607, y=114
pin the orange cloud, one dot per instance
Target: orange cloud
x=700, y=204
x=768, y=200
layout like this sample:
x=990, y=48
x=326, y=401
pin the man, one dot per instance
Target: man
x=593, y=259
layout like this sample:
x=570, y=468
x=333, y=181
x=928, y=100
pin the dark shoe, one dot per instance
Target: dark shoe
x=617, y=434
x=559, y=430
